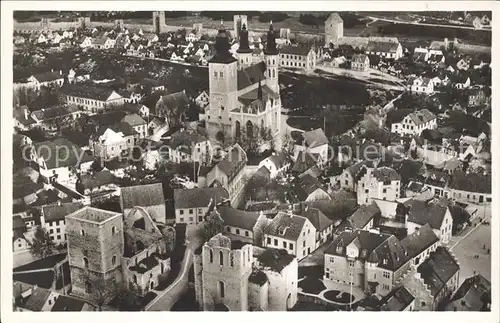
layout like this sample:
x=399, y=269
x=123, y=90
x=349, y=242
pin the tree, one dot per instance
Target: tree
x=102, y=291
x=97, y=165
x=212, y=226
x=257, y=188
x=41, y=245
x=126, y=297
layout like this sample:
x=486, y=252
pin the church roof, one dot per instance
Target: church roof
x=252, y=103
x=251, y=75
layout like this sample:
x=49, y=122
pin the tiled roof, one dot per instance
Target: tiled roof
x=48, y=76
x=17, y=222
x=472, y=294
x=386, y=174
x=304, y=161
x=262, y=172
x=50, y=113
x=438, y=269
x=334, y=17
x=295, y=50
x=279, y=160
x=472, y=182
x=286, y=226
x=354, y=169
x=134, y=120
x=252, y=103
x=419, y=241
x=390, y=254
x=422, y=116
x=382, y=46
x=198, y=197
x=363, y=215
x=37, y=299
x=251, y=75
x=359, y=58
x=315, y=138
x=186, y=138
x=67, y=304
x=397, y=300
x=90, y=181
x=306, y=185
x=422, y=212
x=99, y=93
x=237, y=218
x=142, y=195
x=235, y=159
x=61, y=152
x=317, y=218
x=366, y=240
x=56, y=212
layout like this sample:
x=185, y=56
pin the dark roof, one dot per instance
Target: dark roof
x=251, y=101
x=19, y=113
x=133, y=120
x=365, y=240
x=472, y=182
x=355, y=168
x=60, y=152
x=37, y=299
x=198, y=197
x=258, y=277
x=275, y=259
x=67, y=304
x=390, y=254
x=233, y=161
x=318, y=219
x=422, y=212
x=295, y=50
x=304, y=161
x=382, y=46
x=262, y=172
x=142, y=195
x=438, y=269
x=279, y=159
x=386, y=174
x=56, y=212
x=286, y=226
x=472, y=294
x=48, y=76
x=90, y=181
x=363, y=215
x=398, y=299
x=174, y=101
x=17, y=222
x=359, y=58
x=186, y=139
x=237, y=218
x=50, y=113
x=306, y=185
x=422, y=116
x=419, y=241
x=315, y=138
x=99, y=93
x=251, y=75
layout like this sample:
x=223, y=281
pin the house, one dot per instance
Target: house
x=113, y=141
x=92, y=98
x=46, y=79
x=369, y=260
x=137, y=123
x=188, y=146
x=420, y=244
x=473, y=295
x=434, y=280
x=22, y=118
x=77, y=76
x=52, y=166
x=192, y=205
x=277, y=164
x=131, y=96
x=65, y=43
x=386, y=49
x=38, y=300
x=421, y=85
x=191, y=37
x=294, y=56
x=308, y=188
x=420, y=54
x=381, y=183
x=42, y=39
x=351, y=175
x=305, y=163
x=65, y=303
x=415, y=122
x=476, y=97
x=294, y=233
x=364, y=216
x=437, y=216
x=20, y=243
x=463, y=64
x=87, y=43
x=99, y=184
x=315, y=142
x=149, y=197
x=228, y=173
x=177, y=102
x=322, y=224
x=470, y=187
x=19, y=40
x=398, y=300
x=53, y=219
x=56, y=117
x=202, y=99
x=244, y=226
x=139, y=109
x=460, y=81
x=360, y=62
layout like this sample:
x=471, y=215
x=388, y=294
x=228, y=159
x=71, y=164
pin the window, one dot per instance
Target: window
x=59, y=230
x=113, y=230
x=181, y=219
x=200, y=218
x=386, y=287
x=422, y=304
x=113, y=260
x=237, y=231
x=228, y=229
x=332, y=259
x=303, y=252
x=190, y=211
x=58, y=237
x=246, y=233
x=181, y=212
x=221, y=74
x=221, y=288
x=85, y=262
x=351, y=263
x=190, y=219
x=384, y=190
x=291, y=246
x=51, y=230
x=211, y=255
x=269, y=240
x=82, y=232
x=284, y=244
x=221, y=258
x=275, y=242
x=386, y=274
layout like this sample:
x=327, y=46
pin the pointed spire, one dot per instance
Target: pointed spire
x=244, y=44
x=271, y=41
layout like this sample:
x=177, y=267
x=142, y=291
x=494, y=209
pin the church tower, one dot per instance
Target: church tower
x=272, y=60
x=244, y=51
x=223, y=69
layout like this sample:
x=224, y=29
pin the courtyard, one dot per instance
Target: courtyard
x=330, y=292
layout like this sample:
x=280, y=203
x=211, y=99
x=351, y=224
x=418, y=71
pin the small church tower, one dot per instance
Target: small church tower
x=272, y=60
x=244, y=51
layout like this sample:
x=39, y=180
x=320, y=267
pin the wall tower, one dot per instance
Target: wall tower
x=272, y=60
x=244, y=51
x=159, y=22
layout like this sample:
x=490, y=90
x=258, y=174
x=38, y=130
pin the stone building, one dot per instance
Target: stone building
x=239, y=21
x=382, y=183
x=159, y=22
x=334, y=28
x=230, y=276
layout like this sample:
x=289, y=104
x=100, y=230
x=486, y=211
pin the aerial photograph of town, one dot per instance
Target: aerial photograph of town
x=251, y=161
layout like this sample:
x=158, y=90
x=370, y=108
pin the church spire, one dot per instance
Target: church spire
x=244, y=44
x=222, y=54
x=271, y=41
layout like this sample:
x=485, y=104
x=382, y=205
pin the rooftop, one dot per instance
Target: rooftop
x=287, y=226
x=237, y=218
x=142, y=195
x=364, y=214
x=386, y=174
x=92, y=214
x=438, y=269
x=423, y=212
x=251, y=75
x=318, y=219
x=397, y=300
x=198, y=197
x=315, y=138
x=275, y=259
x=65, y=303
x=419, y=241
x=57, y=212
x=61, y=152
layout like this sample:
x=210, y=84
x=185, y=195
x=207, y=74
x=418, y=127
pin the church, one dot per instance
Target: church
x=244, y=97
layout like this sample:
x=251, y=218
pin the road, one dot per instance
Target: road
x=166, y=299
x=422, y=24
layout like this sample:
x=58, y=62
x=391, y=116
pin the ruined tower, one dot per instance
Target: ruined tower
x=159, y=22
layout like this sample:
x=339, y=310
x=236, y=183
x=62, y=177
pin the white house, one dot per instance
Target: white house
x=437, y=216
x=46, y=79
x=415, y=122
x=137, y=123
x=86, y=43
x=422, y=85
x=187, y=146
x=92, y=98
x=202, y=100
x=314, y=142
x=382, y=183
x=276, y=164
x=53, y=219
x=192, y=205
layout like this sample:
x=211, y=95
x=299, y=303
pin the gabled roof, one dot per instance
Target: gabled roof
x=390, y=254
x=174, y=101
x=305, y=161
x=90, y=181
x=286, y=226
x=142, y=195
x=99, y=93
x=198, y=197
x=56, y=156
x=419, y=241
x=422, y=116
x=295, y=50
x=185, y=138
x=48, y=76
x=315, y=138
x=472, y=294
x=382, y=46
x=364, y=214
x=397, y=300
x=50, y=113
x=307, y=184
x=318, y=219
x=359, y=58
x=366, y=240
x=386, y=174
x=233, y=161
x=422, y=212
x=57, y=212
x=251, y=101
x=237, y=218
x=251, y=75
x=279, y=160
x=472, y=182
x=438, y=269
x=37, y=299
x=65, y=303
x=17, y=222
x=133, y=120
x=334, y=17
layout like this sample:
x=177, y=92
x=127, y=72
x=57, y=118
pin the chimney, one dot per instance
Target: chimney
x=26, y=114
